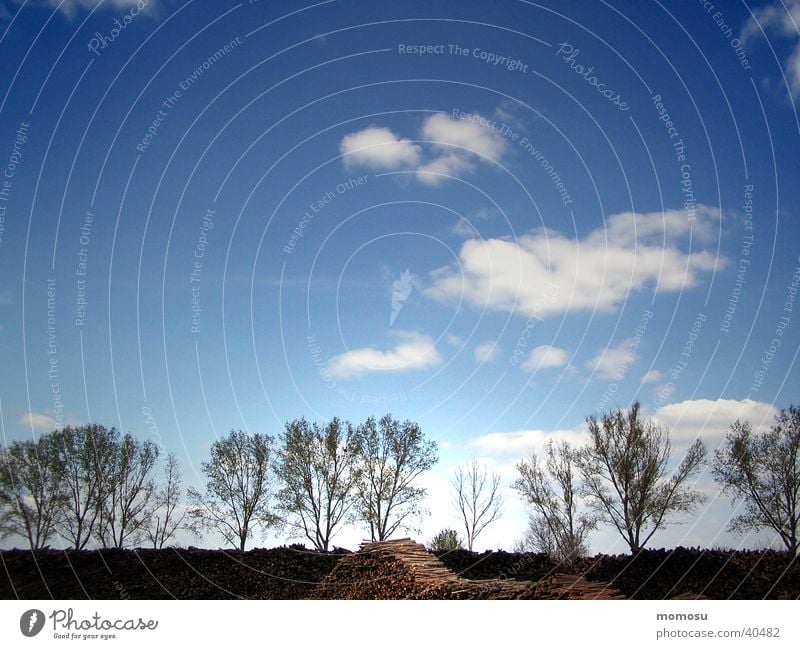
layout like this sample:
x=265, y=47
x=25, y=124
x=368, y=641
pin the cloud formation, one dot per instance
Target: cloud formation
x=546, y=272
x=378, y=148
x=781, y=18
x=486, y=351
x=449, y=147
x=545, y=356
x=38, y=422
x=414, y=351
x=613, y=362
x=709, y=419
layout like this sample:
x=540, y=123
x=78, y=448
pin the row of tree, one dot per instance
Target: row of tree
x=88, y=484
x=625, y=476
x=325, y=477
x=92, y=485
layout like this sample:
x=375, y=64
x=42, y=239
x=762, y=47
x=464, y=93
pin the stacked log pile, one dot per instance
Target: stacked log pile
x=400, y=569
x=564, y=586
x=404, y=569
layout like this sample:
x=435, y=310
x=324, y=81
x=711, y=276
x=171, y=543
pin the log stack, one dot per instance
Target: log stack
x=403, y=569
x=561, y=586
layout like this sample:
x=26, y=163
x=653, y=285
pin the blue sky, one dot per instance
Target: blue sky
x=494, y=220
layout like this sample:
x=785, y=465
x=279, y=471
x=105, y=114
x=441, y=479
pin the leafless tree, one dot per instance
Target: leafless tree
x=478, y=499
x=130, y=497
x=764, y=471
x=168, y=517
x=624, y=470
x=393, y=456
x=319, y=469
x=550, y=486
x=87, y=456
x=31, y=490
x=238, y=494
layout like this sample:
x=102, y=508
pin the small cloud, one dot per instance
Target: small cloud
x=487, y=351
x=415, y=351
x=545, y=356
x=451, y=147
x=401, y=289
x=5, y=297
x=652, y=376
x=378, y=148
x=460, y=143
x=712, y=419
x=523, y=442
x=454, y=341
x=781, y=18
x=446, y=132
x=71, y=7
x=38, y=422
x=613, y=363
x=466, y=228
x=445, y=167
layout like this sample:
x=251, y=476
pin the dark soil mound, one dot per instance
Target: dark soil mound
x=279, y=573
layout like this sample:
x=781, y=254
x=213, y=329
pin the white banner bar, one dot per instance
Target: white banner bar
x=350, y=624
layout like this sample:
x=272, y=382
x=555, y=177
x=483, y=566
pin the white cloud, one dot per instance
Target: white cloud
x=5, y=297
x=783, y=19
x=464, y=229
x=454, y=341
x=711, y=419
x=793, y=70
x=668, y=226
x=467, y=228
x=446, y=166
x=38, y=422
x=378, y=148
x=614, y=362
x=460, y=144
x=70, y=7
x=545, y=356
x=415, y=351
x=452, y=147
x=486, y=351
x=652, y=376
x=446, y=132
x=523, y=442
x=545, y=272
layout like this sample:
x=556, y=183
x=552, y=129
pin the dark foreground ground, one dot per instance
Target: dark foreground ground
x=291, y=573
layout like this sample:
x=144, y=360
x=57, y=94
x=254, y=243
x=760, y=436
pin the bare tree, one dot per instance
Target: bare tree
x=31, y=490
x=478, y=499
x=764, y=471
x=167, y=517
x=556, y=526
x=87, y=455
x=394, y=455
x=130, y=496
x=624, y=469
x=238, y=493
x=318, y=466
